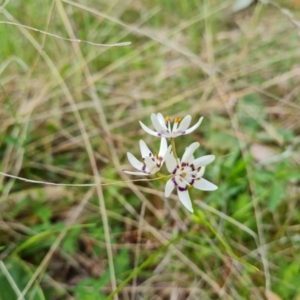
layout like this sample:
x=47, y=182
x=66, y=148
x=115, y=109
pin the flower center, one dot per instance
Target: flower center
x=182, y=175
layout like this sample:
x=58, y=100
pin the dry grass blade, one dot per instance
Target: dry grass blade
x=66, y=39
x=69, y=113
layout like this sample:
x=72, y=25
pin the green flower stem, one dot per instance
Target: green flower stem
x=174, y=148
x=202, y=219
x=163, y=177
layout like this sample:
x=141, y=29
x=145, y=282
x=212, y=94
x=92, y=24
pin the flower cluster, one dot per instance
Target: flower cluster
x=184, y=173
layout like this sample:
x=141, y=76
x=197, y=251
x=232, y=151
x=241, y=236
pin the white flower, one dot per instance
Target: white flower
x=163, y=126
x=151, y=163
x=187, y=173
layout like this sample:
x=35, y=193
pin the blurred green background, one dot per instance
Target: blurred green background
x=69, y=113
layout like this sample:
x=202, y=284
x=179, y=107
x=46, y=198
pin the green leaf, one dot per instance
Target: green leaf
x=88, y=289
x=276, y=195
x=37, y=238
x=14, y=276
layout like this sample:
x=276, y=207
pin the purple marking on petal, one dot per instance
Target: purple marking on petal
x=175, y=170
x=182, y=189
x=192, y=182
x=193, y=167
x=144, y=168
x=159, y=134
x=184, y=164
x=174, y=181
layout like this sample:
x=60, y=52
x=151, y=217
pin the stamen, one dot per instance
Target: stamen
x=177, y=120
x=167, y=118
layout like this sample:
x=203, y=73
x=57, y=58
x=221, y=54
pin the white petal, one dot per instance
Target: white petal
x=145, y=151
x=203, y=161
x=148, y=130
x=189, y=178
x=184, y=197
x=136, y=173
x=170, y=160
x=157, y=124
x=189, y=152
x=134, y=162
x=204, y=185
x=162, y=120
x=192, y=158
x=163, y=147
x=193, y=127
x=150, y=165
x=169, y=187
x=184, y=124
x=167, y=135
x=201, y=172
x=174, y=129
